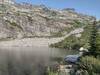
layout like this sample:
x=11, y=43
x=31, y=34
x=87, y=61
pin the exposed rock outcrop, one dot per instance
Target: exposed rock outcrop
x=26, y=20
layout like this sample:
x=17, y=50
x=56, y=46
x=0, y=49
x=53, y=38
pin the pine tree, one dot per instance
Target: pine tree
x=93, y=44
x=98, y=44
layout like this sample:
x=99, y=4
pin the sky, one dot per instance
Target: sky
x=88, y=7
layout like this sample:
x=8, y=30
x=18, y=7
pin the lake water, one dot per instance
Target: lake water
x=28, y=60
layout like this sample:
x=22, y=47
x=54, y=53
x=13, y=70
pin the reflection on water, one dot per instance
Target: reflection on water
x=28, y=60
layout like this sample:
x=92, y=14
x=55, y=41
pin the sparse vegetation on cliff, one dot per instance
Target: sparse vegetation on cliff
x=75, y=41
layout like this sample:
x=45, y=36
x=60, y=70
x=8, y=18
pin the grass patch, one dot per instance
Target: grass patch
x=14, y=25
x=6, y=39
x=56, y=34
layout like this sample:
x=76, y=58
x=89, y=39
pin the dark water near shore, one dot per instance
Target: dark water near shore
x=28, y=60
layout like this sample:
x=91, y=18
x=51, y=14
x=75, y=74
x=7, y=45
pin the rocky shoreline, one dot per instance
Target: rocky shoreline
x=28, y=42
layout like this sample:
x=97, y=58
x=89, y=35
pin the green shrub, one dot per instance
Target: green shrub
x=91, y=65
x=70, y=43
x=78, y=23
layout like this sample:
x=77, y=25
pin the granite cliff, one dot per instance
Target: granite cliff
x=25, y=20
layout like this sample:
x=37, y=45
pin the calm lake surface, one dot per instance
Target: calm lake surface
x=28, y=60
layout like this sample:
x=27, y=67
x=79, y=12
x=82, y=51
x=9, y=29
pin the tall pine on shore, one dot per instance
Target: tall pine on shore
x=94, y=40
x=92, y=49
x=98, y=42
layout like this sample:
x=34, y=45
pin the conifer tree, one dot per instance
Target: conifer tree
x=93, y=37
x=98, y=43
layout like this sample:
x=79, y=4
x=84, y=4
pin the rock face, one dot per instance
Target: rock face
x=26, y=20
x=6, y=1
